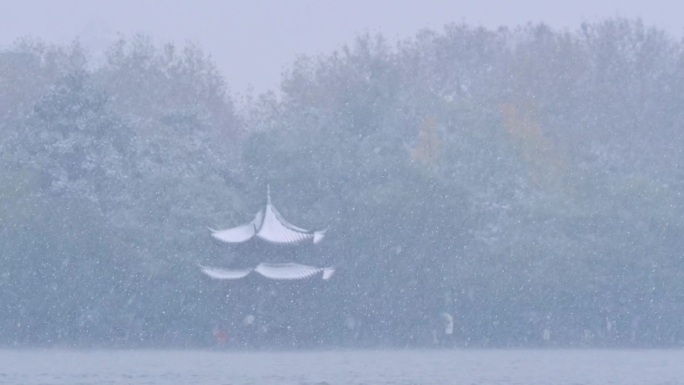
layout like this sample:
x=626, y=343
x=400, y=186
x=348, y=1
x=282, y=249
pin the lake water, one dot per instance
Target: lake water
x=469, y=367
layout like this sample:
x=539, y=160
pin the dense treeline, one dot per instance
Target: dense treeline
x=525, y=181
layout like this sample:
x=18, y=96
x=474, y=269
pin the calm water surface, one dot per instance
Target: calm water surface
x=471, y=367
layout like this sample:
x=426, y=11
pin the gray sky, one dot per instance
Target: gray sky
x=253, y=41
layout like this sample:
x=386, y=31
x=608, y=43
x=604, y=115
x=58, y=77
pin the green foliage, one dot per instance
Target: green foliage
x=513, y=216
x=103, y=205
x=519, y=179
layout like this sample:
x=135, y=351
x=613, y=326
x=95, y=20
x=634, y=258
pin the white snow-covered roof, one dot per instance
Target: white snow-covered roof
x=270, y=226
x=218, y=273
x=275, y=271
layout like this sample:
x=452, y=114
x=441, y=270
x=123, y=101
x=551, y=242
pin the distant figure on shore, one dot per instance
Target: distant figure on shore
x=220, y=336
x=441, y=333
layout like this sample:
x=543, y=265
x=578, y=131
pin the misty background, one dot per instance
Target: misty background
x=526, y=180
x=253, y=42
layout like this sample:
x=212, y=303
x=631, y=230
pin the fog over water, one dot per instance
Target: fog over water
x=384, y=367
